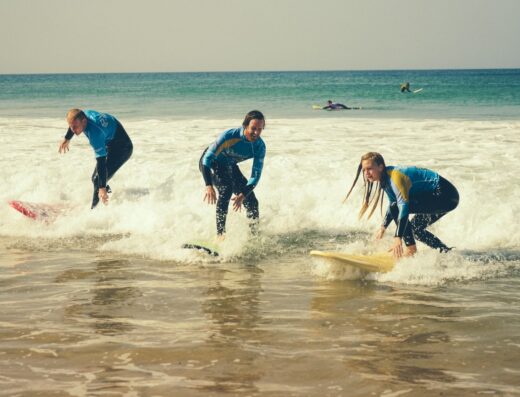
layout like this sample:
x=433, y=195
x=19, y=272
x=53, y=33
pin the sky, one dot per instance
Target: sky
x=80, y=36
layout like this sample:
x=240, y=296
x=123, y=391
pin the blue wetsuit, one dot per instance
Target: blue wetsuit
x=218, y=166
x=112, y=147
x=413, y=190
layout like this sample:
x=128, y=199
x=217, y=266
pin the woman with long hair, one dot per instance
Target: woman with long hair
x=410, y=190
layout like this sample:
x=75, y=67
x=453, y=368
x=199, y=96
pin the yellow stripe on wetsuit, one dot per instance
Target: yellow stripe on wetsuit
x=402, y=182
x=226, y=145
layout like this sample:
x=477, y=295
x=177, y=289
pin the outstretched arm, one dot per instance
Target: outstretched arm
x=64, y=145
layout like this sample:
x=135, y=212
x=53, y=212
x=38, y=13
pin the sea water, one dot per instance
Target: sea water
x=105, y=302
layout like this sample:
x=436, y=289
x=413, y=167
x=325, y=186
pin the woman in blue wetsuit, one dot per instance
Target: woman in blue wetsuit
x=410, y=190
x=219, y=168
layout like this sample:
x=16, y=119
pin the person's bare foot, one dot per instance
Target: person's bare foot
x=411, y=250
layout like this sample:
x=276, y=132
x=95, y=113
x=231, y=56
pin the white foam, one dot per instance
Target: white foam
x=310, y=164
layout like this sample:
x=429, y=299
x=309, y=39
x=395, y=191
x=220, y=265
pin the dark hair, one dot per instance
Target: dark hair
x=253, y=115
x=369, y=186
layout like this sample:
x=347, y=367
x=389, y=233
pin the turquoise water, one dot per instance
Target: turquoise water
x=474, y=94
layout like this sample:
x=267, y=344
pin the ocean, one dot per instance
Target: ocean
x=105, y=302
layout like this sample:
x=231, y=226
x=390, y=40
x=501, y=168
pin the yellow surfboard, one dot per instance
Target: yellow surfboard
x=378, y=263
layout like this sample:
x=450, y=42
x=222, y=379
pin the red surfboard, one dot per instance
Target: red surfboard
x=39, y=211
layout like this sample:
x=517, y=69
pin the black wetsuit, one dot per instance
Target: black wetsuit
x=228, y=179
x=428, y=208
x=336, y=106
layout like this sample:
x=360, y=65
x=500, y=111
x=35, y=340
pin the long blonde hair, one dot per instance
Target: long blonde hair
x=369, y=186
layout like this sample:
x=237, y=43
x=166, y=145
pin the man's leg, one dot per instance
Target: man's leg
x=250, y=202
x=223, y=183
x=119, y=150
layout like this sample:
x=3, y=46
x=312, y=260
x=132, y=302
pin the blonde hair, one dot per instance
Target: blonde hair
x=369, y=186
x=74, y=114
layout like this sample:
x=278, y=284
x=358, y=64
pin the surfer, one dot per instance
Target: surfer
x=112, y=146
x=334, y=106
x=405, y=87
x=219, y=168
x=410, y=190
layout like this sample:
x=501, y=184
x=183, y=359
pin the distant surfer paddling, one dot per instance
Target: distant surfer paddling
x=112, y=146
x=410, y=190
x=335, y=106
x=219, y=169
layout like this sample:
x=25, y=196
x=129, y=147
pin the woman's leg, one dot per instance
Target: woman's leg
x=429, y=208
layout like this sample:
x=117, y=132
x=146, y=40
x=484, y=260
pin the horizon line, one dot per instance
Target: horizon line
x=261, y=71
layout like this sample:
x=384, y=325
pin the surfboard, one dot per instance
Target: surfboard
x=40, y=211
x=416, y=91
x=202, y=246
x=375, y=263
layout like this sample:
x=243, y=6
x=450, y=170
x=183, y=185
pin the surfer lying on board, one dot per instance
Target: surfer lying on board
x=410, y=190
x=110, y=142
x=219, y=168
x=334, y=106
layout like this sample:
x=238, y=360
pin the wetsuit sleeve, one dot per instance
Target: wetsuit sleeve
x=207, y=159
x=256, y=171
x=224, y=140
x=401, y=226
x=102, y=171
x=69, y=135
x=206, y=174
x=388, y=217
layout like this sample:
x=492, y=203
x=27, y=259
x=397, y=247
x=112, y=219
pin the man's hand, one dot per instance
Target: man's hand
x=380, y=233
x=64, y=146
x=237, y=201
x=397, y=248
x=210, y=196
x=103, y=195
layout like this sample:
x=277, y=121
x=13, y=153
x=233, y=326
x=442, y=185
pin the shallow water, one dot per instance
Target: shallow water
x=106, y=302
x=89, y=323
